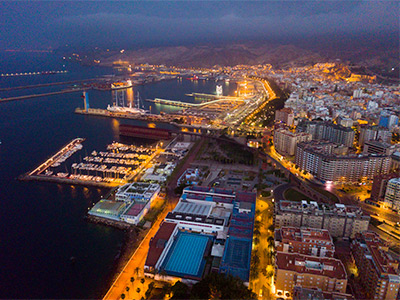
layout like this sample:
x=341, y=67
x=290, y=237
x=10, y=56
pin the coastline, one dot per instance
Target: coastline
x=133, y=236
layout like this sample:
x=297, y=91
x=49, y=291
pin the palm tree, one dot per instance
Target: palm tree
x=132, y=280
x=127, y=290
x=142, y=281
x=138, y=290
x=256, y=241
x=123, y=296
x=137, y=270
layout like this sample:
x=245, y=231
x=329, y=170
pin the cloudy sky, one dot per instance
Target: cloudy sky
x=113, y=24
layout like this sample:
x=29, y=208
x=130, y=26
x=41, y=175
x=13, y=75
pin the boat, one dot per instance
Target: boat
x=119, y=105
x=121, y=85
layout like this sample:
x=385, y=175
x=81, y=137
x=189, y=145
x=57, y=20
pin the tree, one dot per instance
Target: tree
x=137, y=271
x=138, y=290
x=122, y=296
x=132, y=280
x=221, y=286
x=256, y=241
x=180, y=291
x=257, y=232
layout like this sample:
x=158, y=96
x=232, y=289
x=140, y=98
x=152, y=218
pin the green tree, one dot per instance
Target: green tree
x=180, y=291
x=221, y=286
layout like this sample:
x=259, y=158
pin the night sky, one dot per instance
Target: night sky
x=112, y=24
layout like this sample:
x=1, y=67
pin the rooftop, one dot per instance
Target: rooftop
x=186, y=256
x=300, y=263
x=306, y=235
x=158, y=242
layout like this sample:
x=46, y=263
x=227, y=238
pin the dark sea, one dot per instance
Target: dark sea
x=42, y=224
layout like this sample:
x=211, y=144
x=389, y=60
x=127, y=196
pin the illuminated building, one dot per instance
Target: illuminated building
x=293, y=269
x=340, y=220
x=329, y=132
x=308, y=241
x=392, y=195
x=285, y=115
x=285, y=141
x=376, y=267
x=318, y=159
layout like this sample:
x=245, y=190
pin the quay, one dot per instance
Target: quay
x=111, y=114
x=48, y=163
x=42, y=95
x=64, y=180
x=23, y=87
x=185, y=104
x=208, y=97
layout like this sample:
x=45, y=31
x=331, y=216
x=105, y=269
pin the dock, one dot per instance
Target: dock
x=42, y=95
x=55, y=158
x=111, y=114
x=189, y=105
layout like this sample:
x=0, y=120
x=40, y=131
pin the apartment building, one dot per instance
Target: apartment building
x=340, y=220
x=376, y=267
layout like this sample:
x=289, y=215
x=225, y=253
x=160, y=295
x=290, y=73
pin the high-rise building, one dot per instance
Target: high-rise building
x=388, y=121
x=376, y=267
x=392, y=194
x=379, y=185
x=285, y=115
x=318, y=159
x=285, y=141
x=374, y=133
x=308, y=241
x=329, y=132
x=340, y=220
x=375, y=147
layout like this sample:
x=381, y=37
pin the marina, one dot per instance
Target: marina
x=117, y=165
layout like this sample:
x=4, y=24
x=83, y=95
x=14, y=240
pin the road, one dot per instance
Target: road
x=137, y=260
x=265, y=217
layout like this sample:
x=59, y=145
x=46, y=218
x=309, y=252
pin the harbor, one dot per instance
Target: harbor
x=117, y=165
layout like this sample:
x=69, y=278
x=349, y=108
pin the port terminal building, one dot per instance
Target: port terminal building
x=131, y=203
x=210, y=230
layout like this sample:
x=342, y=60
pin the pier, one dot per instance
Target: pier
x=208, y=97
x=23, y=87
x=188, y=105
x=32, y=73
x=42, y=95
x=56, y=157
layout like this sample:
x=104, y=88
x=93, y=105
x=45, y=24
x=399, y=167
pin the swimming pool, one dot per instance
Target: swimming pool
x=186, y=255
